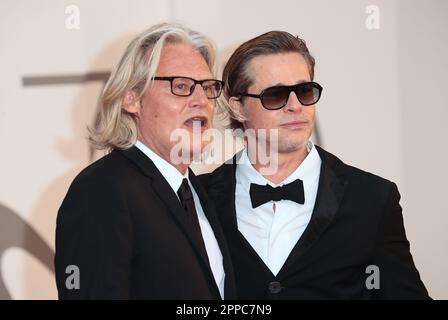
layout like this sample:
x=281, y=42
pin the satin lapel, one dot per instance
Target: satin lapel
x=167, y=195
x=222, y=190
x=329, y=195
x=210, y=213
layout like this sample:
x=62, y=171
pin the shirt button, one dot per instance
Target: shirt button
x=275, y=287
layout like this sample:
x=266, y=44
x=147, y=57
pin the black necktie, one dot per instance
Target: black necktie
x=187, y=201
x=261, y=194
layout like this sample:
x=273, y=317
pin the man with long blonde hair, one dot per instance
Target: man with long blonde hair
x=136, y=224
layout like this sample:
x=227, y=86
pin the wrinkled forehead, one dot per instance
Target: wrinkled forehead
x=277, y=69
x=181, y=59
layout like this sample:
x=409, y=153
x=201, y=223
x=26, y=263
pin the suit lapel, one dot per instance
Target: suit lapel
x=167, y=195
x=222, y=190
x=210, y=213
x=329, y=196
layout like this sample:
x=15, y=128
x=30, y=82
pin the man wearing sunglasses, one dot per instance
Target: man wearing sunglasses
x=314, y=228
x=136, y=224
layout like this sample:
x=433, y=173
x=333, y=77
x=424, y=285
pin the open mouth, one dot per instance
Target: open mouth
x=196, y=122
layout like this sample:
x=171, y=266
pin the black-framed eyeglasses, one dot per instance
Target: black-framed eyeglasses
x=276, y=97
x=184, y=86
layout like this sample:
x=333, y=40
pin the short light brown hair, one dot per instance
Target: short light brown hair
x=236, y=76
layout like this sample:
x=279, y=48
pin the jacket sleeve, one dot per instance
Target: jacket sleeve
x=94, y=236
x=399, y=278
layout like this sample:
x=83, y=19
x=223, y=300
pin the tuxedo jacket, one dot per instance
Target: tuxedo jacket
x=125, y=230
x=356, y=223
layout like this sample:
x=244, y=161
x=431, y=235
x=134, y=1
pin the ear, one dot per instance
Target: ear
x=237, y=108
x=130, y=102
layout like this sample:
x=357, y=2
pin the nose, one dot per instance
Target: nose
x=293, y=104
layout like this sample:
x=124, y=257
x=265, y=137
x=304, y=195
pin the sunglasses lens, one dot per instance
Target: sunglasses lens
x=275, y=97
x=308, y=94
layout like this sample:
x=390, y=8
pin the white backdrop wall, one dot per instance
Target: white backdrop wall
x=383, y=109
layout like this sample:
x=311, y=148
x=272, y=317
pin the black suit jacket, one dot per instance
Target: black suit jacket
x=356, y=222
x=123, y=226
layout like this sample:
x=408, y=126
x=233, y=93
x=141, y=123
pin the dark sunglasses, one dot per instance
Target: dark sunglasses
x=276, y=97
x=184, y=86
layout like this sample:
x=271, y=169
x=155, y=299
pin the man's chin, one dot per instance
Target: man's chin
x=292, y=145
x=193, y=151
x=198, y=151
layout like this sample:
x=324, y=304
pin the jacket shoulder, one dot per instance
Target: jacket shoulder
x=355, y=175
x=111, y=168
x=105, y=180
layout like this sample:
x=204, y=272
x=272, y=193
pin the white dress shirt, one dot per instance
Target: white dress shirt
x=174, y=179
x=274, y=228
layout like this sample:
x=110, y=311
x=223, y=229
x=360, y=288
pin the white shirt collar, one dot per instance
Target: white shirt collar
x=274, y=228
x=309, y=168
x=174, y=179
x=168, y=171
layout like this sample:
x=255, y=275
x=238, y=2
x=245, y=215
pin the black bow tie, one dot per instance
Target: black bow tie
x=261, y=194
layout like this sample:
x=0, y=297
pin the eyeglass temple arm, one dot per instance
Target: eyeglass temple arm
x=250, y=95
